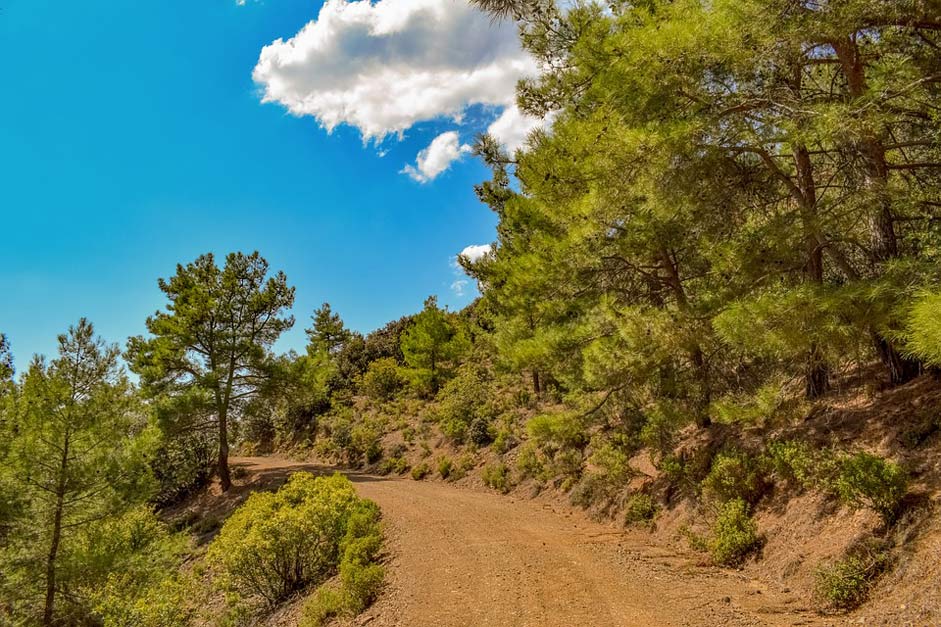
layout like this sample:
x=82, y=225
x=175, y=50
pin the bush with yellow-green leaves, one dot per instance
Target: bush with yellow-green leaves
x=279, y=543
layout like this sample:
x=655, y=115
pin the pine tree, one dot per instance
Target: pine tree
x=214, y=340
x=328, y=333
x=79, y=458
x=431, y=344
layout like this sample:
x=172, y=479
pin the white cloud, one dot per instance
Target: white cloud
x=437, y=157
x=475, y=252
x=513, y=127
x=459, y=287
x=382, y=67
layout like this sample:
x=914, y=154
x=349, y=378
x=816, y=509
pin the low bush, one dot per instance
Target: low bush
x=133, y=561
x=278, y=543
x=734, y=534
x=167, y=603
x=383, y=379
x=735, y=475
x=556, y=432
x=182, y=465
x=661, y=425
x=504, y=441
x=461, y=402
x=463, y=465
x=845, y=584
x=364, y=443
x=396, y=465
x=866, y=480
x=611, y=456
x=325, y=603
x=479, y=432
x=528, y=462
x=420, y=471
x=793, y=461
x=445, y=466
x=358, y=586
x=591, y=489
x=640, y=509
x=497, y=477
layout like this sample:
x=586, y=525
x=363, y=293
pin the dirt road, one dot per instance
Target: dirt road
x=459, y=557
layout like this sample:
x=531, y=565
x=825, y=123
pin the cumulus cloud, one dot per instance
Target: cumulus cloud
x=443, y=150
x=382, y=67
x=513, y=127
x=475, y=252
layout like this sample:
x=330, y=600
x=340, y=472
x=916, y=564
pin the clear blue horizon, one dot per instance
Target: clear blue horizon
x=135, y=138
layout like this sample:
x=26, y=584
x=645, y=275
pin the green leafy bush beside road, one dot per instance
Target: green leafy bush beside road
x=279, y=543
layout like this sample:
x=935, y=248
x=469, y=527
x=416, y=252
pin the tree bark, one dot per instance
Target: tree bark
x=700, y=366
x=817, y=376
x=225, y=479
x=48, y=615
x=883, y=239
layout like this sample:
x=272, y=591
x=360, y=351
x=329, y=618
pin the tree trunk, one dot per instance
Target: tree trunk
x=901, y=369
x=705, y=392
x=817, y=375
x=48, y=614
x=704, y=396
x=536, y=386
x=883, y=240
x=225, y=479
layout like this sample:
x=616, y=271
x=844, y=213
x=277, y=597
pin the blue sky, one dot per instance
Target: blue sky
x=134, y=137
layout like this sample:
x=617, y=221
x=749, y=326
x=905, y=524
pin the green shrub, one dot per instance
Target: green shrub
x=461, y=403
x=464, y=464
x=672, y=467
x=528, y=462
x=661, y=426
x=133, y=561
x=361, y=584
x=445, y=466
x=358, y=587
x=396, y=465
x=922, y=330
x=612, y=457
x=165, y=604
x=640, y=509
x=183, y=464
x=793, y=460
x=504, y=441
x=556, y=432
x=762, y=404
x=845, y=584
x=365, y=443
x=479, y=432
x=868, y=480
x=420, y=471
x=735, y=475
x=383, y=379
x=325, y=603
x=497, y=477
x=360, y=577
x=734, y=534
x=278, y=543
x=591, y=488
x=697, y=542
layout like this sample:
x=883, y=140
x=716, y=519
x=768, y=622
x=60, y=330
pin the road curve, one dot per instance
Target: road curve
x=464, y=558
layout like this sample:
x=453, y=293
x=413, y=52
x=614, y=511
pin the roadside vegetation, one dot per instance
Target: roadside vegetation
x=714, y=294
